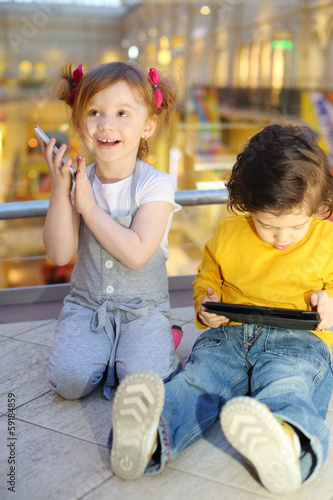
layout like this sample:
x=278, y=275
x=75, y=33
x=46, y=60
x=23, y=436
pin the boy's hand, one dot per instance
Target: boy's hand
x=324, y=303
x=210, y=319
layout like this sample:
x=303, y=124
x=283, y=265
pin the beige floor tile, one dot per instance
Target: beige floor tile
x=23, y=371
x=50, y=465
x=12, y=329
x=170, y=484
x=181, y=315
x=88, y=418
x=42, y=335
x=214, y=459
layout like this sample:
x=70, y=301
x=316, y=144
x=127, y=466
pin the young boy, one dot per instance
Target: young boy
x=270, y=386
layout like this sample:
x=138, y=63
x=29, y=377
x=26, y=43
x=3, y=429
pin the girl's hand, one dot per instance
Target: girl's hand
x=83, y=194
x=59, y=172
x=211, y=319
x=324, y=303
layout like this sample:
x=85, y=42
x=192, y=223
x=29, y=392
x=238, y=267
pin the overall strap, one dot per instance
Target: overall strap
x=135, y=180
x=91, y=176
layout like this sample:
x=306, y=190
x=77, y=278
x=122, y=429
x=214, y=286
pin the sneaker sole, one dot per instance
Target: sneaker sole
x=136, y=410
x=255, y=433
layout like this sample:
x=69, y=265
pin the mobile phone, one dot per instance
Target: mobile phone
x=270, y=316
x=41, y=135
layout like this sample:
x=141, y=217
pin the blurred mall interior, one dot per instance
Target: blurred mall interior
x=238, y=65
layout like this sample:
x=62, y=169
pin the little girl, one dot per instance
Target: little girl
x=117, y=213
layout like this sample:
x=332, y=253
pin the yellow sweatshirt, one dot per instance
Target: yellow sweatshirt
x=243, y=269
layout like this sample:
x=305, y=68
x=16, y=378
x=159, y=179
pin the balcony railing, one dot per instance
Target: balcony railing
x=38, y=208
x=49, y=293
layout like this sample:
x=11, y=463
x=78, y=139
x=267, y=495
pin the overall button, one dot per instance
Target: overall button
x=109, y=264
x=109, y=289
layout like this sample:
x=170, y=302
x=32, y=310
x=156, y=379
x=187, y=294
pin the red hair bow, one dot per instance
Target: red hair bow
x=77, y=75
x=154, y=78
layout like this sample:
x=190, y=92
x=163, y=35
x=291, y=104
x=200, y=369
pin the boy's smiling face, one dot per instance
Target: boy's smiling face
x=281, y=231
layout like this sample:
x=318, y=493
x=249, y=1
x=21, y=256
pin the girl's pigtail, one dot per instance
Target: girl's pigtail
x=168, y=99
x=64, y=85
x=67, y=84
x=165, y=95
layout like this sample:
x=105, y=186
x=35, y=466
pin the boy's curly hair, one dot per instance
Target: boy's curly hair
x=281, y=168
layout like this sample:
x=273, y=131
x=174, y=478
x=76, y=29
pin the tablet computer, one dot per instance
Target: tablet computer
x=270, y=316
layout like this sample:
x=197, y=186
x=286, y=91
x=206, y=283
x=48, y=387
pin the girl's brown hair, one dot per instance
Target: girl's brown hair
x=281, y=168
x=101, y=77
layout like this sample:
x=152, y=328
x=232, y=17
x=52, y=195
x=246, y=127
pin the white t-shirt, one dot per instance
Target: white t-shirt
x=152, y=185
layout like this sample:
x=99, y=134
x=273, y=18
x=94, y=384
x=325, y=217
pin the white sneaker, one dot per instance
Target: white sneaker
x=137, y=407
x=272, y=447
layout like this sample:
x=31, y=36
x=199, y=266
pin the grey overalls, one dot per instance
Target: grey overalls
x=114, y=318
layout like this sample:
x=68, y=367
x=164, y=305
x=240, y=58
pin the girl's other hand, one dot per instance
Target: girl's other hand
x=83, y=195
x=324, y=304
x=211, y=319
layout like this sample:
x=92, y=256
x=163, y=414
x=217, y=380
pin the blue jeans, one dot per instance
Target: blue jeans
x=288, y=370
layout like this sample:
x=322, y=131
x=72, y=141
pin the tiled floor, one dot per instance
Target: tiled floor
x=60, y=446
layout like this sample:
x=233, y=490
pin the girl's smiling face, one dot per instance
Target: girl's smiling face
x=114, y=126
x=281, y=231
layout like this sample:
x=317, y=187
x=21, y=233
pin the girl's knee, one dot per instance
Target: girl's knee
x=66, y=386
x=74, y=384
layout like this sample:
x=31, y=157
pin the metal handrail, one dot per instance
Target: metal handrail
x=38, y=208
x=54, y=293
